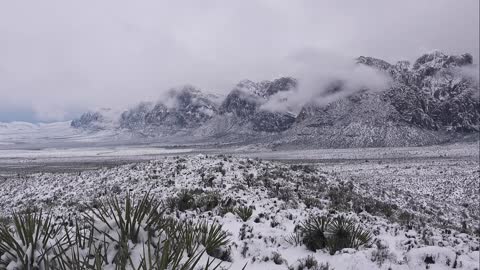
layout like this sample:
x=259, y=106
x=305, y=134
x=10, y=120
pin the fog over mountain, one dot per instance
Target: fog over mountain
x=59, y=59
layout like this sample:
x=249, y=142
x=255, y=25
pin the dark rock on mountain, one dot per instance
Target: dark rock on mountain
x=266, y=121
x=423, y=105
x=433, y=94
x=241, y=104
x=90, y=121
x=245, y=101
x=363, y=119
x=181, y=109
x=136, y=117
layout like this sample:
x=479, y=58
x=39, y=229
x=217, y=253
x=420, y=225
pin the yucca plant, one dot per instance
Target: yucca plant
x=169, y=256
x=294, y=239
x=313, y=230
x=189, y=236
x=127, y=220
x=244, y=212
x=344, y=233
x=32, y=241
x=119, y=235
x=212, y=237
x=185, y=200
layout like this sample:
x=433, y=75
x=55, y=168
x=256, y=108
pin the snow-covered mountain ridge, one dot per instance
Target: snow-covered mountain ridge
x=428, y=102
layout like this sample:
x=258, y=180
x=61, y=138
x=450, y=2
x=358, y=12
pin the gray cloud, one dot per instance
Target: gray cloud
x=318, y=73
x=58, y=58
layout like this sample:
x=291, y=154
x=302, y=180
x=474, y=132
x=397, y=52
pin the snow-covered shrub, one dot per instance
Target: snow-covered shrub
x=209, y=201
x=344, y=233
x=294, y=239
x=277, y=258
x=381, y=253
x=114, y=235
x=30, y=242
x=334, y=234
x=213, y=238
x=244, y=212
x=313, y=230
x=185, y=200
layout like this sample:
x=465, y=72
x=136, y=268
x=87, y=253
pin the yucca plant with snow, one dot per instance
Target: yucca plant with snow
x=334, y=234
x=313, y=230
x=244, y=212
x=212, y=237
x=33, y=241
x=116, y=234
x=344, y=233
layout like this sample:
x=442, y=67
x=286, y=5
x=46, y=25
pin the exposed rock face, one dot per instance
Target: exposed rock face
x=87, y=120
x=363, y=119
x=181, y=109
x=434, y=93
x=245, y=101
x=136, y=117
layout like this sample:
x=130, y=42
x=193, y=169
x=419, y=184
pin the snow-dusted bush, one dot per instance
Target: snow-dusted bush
x=313, y=230
x=344, y=233
x=244, y=212
x=334, y=234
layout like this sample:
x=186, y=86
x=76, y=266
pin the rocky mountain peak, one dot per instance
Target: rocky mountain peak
x=374, y=62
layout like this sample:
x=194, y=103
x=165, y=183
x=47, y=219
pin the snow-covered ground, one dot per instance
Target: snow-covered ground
x=16, y=135
x=418, y=212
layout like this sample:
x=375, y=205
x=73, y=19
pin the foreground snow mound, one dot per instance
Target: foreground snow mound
x=264, y=208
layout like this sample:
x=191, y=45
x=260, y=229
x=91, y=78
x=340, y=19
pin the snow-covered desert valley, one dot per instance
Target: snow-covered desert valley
x=417, y=207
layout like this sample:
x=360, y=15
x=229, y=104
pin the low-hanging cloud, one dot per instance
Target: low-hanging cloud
x=59, y=58
x=324, y=77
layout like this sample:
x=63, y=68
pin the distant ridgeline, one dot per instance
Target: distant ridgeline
x=434, y=100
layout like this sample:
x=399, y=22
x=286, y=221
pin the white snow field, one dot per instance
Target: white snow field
x=421, y=215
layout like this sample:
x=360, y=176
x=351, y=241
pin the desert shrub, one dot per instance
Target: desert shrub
x=303, y=168
x=333, y=234
x=223, y=210
x=277, y=258
x=344, y=233
x=313, y=230
x=27, y=244
x=381, y=253
x=209, y=201
x=129, y=219
x=311, y=263
x=244, y=212
x=213, y=238
x=311, y=202
x=185, y=200
x=294, y=239
x=405, y=218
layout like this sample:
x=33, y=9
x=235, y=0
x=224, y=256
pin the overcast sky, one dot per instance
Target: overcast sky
x=59, y=58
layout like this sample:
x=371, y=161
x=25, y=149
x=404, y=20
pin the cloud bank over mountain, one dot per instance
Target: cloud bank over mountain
x=59, y=58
